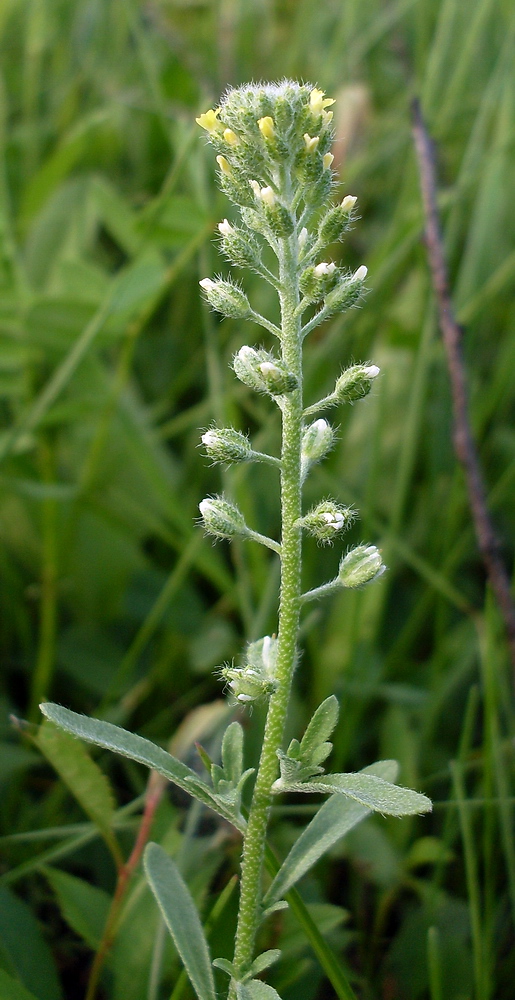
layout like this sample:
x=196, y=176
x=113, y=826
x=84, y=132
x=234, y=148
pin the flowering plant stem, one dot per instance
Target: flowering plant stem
x=289, y=607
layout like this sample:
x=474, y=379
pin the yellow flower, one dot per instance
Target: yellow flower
x=209, y=120
x=318, y=102
x=311, y=143
x=224, y=165
x=266, y=127
x=327, y=160
x=231, y=137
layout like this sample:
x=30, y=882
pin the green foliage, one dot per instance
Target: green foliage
x=181, y=918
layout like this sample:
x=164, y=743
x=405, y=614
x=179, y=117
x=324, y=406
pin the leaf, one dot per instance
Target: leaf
x=11, y=989
x=371, y=791
x=333, y=820
x=23, y=949
x=264, y=961
x=82, y=776
x=181, y=917
x=104, y=734
x=320, y=727
x=232, y=752
x=256, y=990
x=83, y=906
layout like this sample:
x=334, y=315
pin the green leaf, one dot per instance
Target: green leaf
x=232, y=752
x=23, y=950
x=82, y=776
x=320, y=727
x=84, y=907
x=104, y=734
x=256, y=990
x=371, y=791
x=333, y=820
x=264, y=961
x=11, y=989
x=181, y=917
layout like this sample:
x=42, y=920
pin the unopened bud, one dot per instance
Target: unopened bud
x=303, y=237
x=355, y=383
x=336, y=222
x=222, y=518
x=360, y=274
x=344, y=294
x=311, y=142
x=226, y=298
x=327, y=160
x=226, y=445
x=324, y=269
x=316, y=282
x=267, y=196
x=225, y=228
x=224, y=165
x=266, y=127
x=230, y=137
x=316, y=442
x=262, y=372
x=327, y=519
x=360, y=566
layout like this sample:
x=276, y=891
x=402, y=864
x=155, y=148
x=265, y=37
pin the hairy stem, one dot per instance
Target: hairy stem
x=289, y=607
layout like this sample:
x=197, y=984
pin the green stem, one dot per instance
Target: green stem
x=289, y=608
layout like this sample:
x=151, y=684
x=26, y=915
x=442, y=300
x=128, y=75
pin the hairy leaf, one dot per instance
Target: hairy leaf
x=84, y=779
x=104, y=734
x=333, y=820
x=181, y=917
x=368, y=789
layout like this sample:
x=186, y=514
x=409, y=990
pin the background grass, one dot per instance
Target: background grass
x=113, y=603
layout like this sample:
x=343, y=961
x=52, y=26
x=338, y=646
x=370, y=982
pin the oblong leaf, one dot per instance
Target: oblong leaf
x=371, y=791
x=87, y=783
x=333, y=820
x=84, y=907
x=254, y=989
x=320, y=726
x=181, y=917
x=104, y=734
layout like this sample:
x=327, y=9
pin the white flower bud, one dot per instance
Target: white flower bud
x=327, y=160
x=222, y=518
x=226, y=298
x=226, y=445
x=303, y=236
x=348, y=203
x=225, y=228
x=355, y=383
x=323, y=269
x=316, y=442
x=262, y=372
x=360, y=566
x=360, y=274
